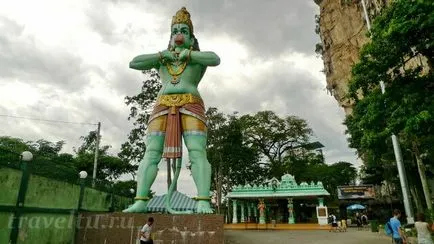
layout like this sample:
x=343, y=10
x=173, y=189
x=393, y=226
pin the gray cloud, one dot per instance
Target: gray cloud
x=22, y=59
x=268, y=28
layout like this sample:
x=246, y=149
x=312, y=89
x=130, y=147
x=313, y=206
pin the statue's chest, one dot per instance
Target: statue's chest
x=175, y=73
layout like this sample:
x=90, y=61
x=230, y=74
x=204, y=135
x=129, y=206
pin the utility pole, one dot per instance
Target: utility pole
x=396, y=147
x=95, y=160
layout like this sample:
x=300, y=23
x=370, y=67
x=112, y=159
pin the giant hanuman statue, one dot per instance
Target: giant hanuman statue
x=179, y=113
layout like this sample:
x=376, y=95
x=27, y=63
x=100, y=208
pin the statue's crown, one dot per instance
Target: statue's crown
x=183, y=17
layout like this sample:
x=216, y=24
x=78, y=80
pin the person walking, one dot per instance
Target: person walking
x=145, y=232
x=333, y=223
x=364, y=219
x=397, y=234
x=423, y=230
x=358, y=221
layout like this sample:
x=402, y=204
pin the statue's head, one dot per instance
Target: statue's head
x=182, y=31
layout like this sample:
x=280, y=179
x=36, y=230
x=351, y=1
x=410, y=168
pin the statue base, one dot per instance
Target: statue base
x=114, y=228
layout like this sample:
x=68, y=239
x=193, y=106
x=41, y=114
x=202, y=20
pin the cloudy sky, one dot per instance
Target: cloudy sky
x=68, y=60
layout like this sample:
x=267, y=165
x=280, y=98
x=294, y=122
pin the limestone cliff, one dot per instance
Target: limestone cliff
x=343, y=31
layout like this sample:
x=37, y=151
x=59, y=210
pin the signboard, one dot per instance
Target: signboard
x=356, y=192
x=322, y=212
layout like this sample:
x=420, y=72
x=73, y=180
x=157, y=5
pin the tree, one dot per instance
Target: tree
x=140, y=108
x=275, y=137
x=10, y=149
x=109, y=167
x=402, y=37
x=232, y=161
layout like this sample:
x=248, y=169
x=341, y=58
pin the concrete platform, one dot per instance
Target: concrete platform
x=116, y=228
x=254, y=226
x=353, y=236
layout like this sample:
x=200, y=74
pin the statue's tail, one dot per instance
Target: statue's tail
x=172, y=187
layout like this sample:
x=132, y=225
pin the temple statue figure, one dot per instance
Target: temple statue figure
x=179, y=113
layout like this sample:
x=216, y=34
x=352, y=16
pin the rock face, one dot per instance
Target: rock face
x=343, y=31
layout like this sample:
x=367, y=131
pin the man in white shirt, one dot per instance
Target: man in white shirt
x=145, y=232
x=333, y=223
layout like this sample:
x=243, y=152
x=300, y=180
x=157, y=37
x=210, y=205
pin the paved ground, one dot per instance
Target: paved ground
x=303, y=237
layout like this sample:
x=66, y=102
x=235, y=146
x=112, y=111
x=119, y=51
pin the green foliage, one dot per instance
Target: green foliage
x=310, y=166
x=233, y=162
x=401, y=55
x=48, y=160
x=274, y=137
x=140, y=109
x=402, y=31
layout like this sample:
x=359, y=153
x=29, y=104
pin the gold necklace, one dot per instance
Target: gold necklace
x=180, y=70
x=175, y=74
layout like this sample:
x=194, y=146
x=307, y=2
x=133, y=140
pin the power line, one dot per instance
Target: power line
x=46, y=120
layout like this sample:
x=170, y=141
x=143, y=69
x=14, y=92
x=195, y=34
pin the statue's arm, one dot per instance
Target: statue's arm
x=146, y=62
x=204, y=58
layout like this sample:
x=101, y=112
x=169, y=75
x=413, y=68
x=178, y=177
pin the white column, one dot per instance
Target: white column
x=234, y=215
x=242, y=218
x=249, y=211
x=291, y=219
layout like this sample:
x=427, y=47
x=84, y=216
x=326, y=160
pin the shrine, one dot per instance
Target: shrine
x=279, y=202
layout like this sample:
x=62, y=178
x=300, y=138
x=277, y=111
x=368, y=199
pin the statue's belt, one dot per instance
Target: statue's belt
x=178, y=100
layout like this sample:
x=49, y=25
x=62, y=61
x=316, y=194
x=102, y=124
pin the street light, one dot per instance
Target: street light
x=83, y=176
x=26, y=156
x=132, y=192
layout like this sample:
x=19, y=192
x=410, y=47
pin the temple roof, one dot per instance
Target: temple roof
x=180, y=202
x=274, y=188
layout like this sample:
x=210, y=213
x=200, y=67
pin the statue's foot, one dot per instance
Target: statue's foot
x=203, y=207
x=138, y=207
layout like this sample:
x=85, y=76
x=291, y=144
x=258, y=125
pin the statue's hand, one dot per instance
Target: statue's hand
x=184, y=55
x=167, y=56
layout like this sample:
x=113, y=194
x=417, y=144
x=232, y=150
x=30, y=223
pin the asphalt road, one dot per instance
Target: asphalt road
x=303, y=237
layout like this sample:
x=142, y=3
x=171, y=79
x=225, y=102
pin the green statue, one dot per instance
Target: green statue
x=179, y=113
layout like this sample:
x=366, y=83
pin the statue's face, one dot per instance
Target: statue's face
x=181, y=36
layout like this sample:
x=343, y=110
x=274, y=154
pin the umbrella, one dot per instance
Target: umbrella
x=355, y=207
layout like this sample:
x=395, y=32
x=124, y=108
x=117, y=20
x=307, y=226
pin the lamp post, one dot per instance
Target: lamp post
x=396, y=147
x=83, y=176
x=132, y=193
x=25, y=157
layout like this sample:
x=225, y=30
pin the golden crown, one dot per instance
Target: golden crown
x=183, y=17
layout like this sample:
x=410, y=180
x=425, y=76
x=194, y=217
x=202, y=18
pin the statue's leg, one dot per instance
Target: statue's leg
x=194, y=132
x=148, y=167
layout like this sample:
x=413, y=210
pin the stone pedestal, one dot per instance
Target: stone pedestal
x=322, y=212
x=114, y=228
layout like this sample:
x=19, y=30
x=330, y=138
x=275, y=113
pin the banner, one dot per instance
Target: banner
x=356, y=192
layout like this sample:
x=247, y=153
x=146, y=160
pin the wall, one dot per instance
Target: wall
x=115, y=228
x=53, y=220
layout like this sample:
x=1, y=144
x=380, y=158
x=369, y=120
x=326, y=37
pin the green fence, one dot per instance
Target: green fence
x=35, y=208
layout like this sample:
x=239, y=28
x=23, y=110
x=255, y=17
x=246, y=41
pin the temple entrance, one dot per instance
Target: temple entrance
x=305, y=210
x=277, y=211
